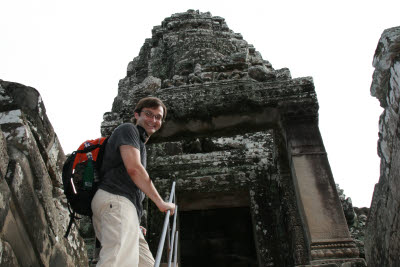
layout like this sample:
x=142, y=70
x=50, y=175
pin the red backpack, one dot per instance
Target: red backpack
x=81, y=177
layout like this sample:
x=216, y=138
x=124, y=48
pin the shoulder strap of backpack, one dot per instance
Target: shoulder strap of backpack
x=101, y=153
x=89, y=148
x=71, y=221
x=72, y=216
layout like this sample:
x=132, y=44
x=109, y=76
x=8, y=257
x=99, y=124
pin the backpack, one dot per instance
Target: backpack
x=81, y=177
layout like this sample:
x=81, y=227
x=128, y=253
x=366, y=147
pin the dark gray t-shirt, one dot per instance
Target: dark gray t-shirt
x=115, y=177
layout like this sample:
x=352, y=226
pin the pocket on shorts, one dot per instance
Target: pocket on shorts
x=111, y=213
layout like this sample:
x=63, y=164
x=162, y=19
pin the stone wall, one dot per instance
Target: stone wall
x=33, y=210
x=382, y=242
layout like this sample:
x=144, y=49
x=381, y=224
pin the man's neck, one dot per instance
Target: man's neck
x=143, y=134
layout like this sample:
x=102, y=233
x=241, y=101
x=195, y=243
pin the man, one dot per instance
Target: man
x=117, y=205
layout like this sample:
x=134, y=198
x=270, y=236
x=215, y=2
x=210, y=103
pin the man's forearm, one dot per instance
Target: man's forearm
x=139, y=175
x=142, y=180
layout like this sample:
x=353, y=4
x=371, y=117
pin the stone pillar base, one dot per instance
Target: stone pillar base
x=336, y=263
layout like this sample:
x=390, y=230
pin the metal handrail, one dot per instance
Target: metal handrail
x=176, y=248
x=174, y=241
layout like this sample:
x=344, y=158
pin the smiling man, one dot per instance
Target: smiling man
x=117, y=205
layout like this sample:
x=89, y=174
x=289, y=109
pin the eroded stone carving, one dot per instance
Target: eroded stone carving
x=33, y=212
x=194, y=48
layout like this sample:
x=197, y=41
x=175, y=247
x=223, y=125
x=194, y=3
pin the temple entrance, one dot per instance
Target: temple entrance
x=217, y=237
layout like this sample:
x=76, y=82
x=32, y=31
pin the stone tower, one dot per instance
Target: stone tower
x=241, y=140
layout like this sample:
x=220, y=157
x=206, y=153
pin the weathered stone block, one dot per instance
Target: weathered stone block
x=7, y=256
x=261, y=73
x=14, y=232
x=5, y=199
x=55, y=162
x=3, y=156
x=29, y=101
x=150, y=84
x=21, y=184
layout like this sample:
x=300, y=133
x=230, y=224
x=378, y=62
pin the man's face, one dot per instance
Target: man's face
x=150, y=119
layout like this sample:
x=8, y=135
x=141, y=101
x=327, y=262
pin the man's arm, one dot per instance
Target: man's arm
x=131, y=158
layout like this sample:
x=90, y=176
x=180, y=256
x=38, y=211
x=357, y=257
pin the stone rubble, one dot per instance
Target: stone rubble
x=356, y=220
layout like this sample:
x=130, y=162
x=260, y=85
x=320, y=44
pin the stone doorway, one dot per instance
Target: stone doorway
x=217, y=236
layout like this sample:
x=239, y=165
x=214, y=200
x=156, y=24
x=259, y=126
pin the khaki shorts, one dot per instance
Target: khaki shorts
x=116, y=225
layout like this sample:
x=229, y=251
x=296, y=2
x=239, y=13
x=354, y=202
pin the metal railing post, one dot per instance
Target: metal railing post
x=176, y=248
x=173, y=237
x=164, y=230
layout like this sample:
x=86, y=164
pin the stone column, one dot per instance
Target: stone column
x=319, y=206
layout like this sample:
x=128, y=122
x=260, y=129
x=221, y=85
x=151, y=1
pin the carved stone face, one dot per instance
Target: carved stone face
x=150, y=119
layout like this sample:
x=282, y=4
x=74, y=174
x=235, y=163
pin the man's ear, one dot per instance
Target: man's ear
x=136, y=115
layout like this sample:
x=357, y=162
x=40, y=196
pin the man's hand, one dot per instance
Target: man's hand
x=144, y=230
x=164, y=206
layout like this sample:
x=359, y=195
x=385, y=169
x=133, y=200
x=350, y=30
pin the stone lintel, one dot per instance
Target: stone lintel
x=231, y=105
x=236, y=96
x=217, y=125
x=212, y=200
x=320, y=209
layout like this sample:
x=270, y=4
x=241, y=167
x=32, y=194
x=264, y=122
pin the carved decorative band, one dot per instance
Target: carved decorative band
x=350, y=252
x=333, y=245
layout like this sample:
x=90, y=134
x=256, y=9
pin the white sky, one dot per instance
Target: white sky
x=75, y=52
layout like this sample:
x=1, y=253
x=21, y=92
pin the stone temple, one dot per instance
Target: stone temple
x=241, y=140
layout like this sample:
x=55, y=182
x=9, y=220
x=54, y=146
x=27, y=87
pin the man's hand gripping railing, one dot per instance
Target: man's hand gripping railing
x=173, y=243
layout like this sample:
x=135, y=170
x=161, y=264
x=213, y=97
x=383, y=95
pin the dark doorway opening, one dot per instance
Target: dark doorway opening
x=217, y=237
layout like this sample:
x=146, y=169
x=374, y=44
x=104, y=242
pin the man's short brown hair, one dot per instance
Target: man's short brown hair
x=150, y=102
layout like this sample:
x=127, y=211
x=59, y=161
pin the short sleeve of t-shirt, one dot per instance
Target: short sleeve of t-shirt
x=126, y=134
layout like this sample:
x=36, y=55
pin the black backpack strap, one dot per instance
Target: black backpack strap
x=72, y=216
x=100, y=156
x=89, y=148
x=71, y=221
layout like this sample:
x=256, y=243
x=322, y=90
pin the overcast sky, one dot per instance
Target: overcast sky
x=75, y=52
